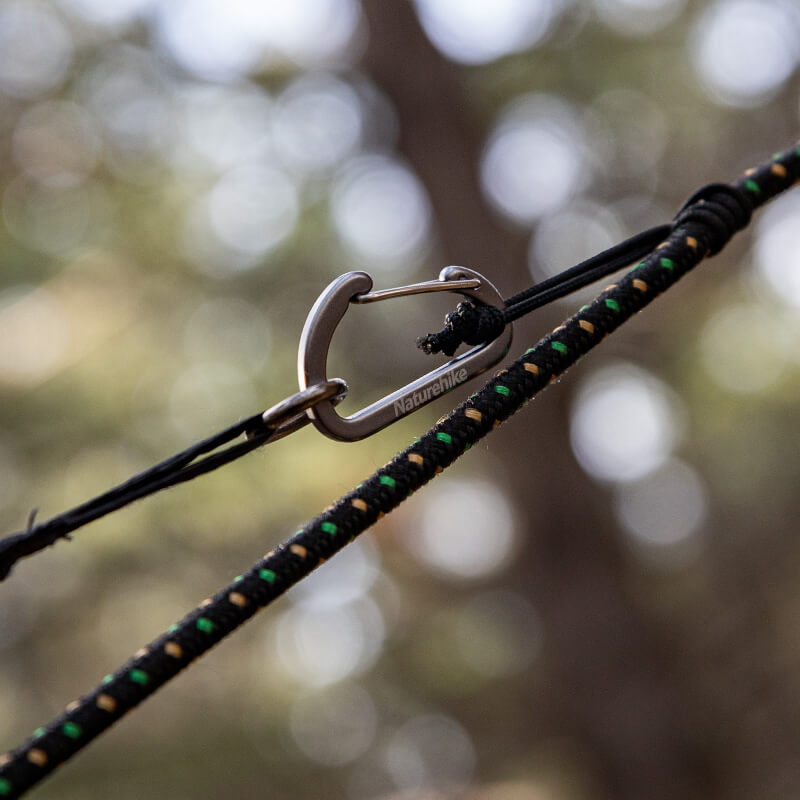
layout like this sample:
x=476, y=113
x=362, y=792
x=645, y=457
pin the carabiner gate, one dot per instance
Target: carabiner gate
x=355, y=287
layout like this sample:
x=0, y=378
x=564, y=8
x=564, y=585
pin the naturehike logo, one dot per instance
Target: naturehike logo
x=444, y=384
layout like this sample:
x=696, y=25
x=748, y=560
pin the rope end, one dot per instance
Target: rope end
x=470, y=323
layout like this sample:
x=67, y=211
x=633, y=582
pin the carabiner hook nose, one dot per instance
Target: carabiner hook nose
x=355, y=287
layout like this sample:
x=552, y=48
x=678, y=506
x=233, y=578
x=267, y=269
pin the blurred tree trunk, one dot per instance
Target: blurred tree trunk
x=608, y=687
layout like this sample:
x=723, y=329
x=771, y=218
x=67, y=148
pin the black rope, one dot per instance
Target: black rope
x=721, y=209
x=275, y=422
x=176, y=469
x=692, y=238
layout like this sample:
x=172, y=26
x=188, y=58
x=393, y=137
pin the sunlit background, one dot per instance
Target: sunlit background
x=601, y=600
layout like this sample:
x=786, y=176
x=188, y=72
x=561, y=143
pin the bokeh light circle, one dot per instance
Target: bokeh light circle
x=776, y=252
x=334, y=726
x=321, y=646
x=638, y=17
x=222, y=127
x=36, y=335
x=310, y=32
x=534, y=159
x=56, y=219
x=664, y=509
x=381, y=211
x=214, y=39
x=431, y=751
x=109, y=13
x=623, y=423
x=475, y=32
x=317, y=124
x=465, y=529
x=35, y=49
x=253, y=208
x=225, y=40
x=249, y=212
x=55, y=143
x=744, y=50
x=571, y=235
x=132, y=109
x=629, y=133
x=333, y=585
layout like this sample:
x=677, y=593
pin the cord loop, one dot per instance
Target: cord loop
x=713, y=214
x=719, y=210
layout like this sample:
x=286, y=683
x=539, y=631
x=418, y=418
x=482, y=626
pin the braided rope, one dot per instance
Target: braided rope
x=216, y=617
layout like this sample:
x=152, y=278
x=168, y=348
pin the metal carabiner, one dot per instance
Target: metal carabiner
x=355, y=287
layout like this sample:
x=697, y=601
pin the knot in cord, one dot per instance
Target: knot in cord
x=719, y=211
x=471, y=323
x=713, y=214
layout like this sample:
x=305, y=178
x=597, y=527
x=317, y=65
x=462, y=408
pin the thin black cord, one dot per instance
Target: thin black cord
x=178, y=468
x=585, y=273
x=724, y=209
x=694, y=237
x=274, y=423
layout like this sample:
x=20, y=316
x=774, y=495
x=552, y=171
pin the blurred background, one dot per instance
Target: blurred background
x=573, y=611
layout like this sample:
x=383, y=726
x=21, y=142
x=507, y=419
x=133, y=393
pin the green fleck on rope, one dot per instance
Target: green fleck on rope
x=5, y=786
x=638, y=266
x=503, y=390
x=580, y=310
x=753, y=187
x=39, y=732
x=667, y=263
x=139, y=676
x=71, y=729
x=172, y=628
x=559, y=347
x=108, y=678
x=329, y=527
x=388, y=480
x=612, y=304
x=444, y=437
x=204, y=624
x=267, y=575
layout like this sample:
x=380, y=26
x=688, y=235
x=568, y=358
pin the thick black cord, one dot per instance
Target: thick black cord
x=722, y=209
x=694, y=237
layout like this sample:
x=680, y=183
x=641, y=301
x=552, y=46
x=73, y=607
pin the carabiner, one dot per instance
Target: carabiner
x=355, y=287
